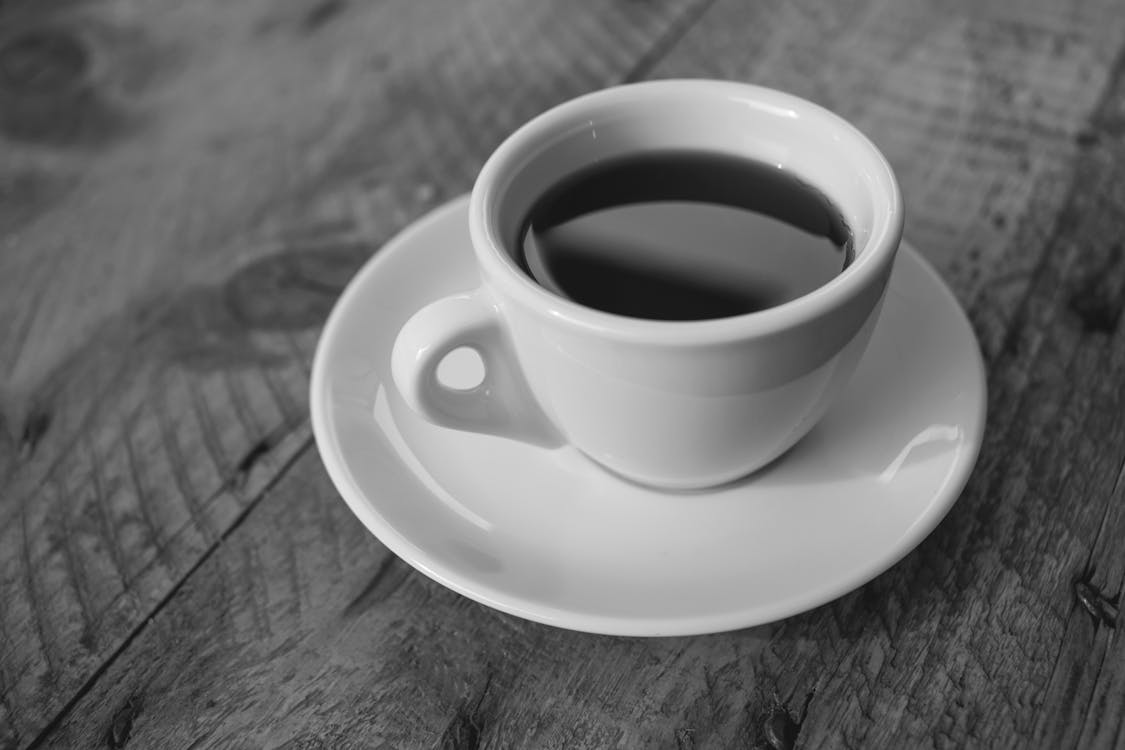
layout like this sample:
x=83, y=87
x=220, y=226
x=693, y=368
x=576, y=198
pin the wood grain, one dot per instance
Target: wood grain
x=178, y=572
x=162, y=319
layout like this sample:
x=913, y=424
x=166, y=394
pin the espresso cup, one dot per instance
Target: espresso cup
x=672, y=404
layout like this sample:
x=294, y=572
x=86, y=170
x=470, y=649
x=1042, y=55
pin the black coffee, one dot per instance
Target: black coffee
x=683, y=236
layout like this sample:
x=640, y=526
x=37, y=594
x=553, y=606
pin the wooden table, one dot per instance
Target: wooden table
x=185, y=187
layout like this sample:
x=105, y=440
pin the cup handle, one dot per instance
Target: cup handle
x=501, y=404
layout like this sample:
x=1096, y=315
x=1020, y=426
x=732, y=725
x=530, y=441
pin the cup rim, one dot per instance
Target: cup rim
x=500, y=269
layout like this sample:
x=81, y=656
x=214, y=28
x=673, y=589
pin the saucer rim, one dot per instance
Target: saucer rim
x=750, y=615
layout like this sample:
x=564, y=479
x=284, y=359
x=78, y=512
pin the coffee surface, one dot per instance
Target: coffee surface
x=683, y=236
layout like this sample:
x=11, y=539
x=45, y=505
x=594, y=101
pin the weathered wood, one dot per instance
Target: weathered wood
x=377, y=655
x=185, y=210
x=979, y=638
x=277, y=621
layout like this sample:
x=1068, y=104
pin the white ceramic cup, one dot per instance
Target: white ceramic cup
x=673, y=404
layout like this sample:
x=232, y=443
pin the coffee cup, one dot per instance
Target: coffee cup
x=675, y=404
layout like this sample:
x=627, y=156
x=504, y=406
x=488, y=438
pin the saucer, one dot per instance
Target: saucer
x=547, y=535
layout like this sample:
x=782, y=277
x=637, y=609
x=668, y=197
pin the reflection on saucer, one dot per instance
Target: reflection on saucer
x=385, y=420
x=934, y=441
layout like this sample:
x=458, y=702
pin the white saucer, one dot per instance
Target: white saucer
x=547, y=535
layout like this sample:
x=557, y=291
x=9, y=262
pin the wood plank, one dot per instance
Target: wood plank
x=375, y=655
x=173, y=253
x=302, y=631
x=981, y=110
x=299, y=630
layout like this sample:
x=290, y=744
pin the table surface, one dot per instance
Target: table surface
x=186, y=187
